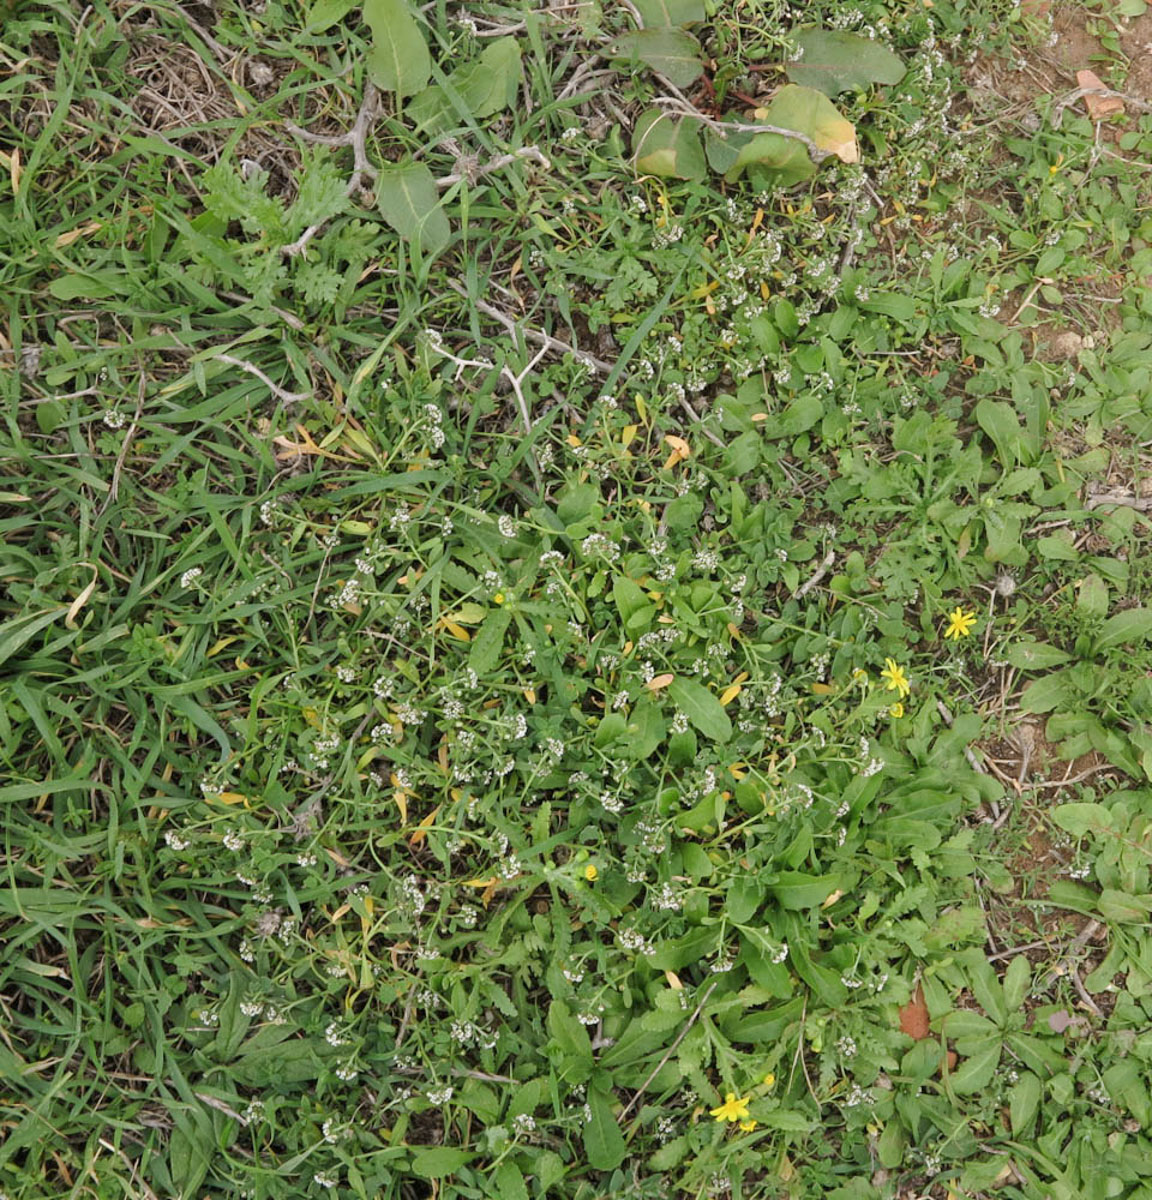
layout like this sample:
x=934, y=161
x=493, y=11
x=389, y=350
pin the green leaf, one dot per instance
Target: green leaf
x=795, y=890
x=439, y=1161
x=603, y=1142
x=1000, y=422
x=1132, y=625
x=667, y=147
x=190, y=1149
x=833, y=62
x=1092, y=599
x=19, y=630
x=81, y=286
x=811, y=113
x=1082, y=819
x=702, y=708
x=489, y=641
x=410, y=203
x=325, y=13
x=1035, y=656
x=486, y=86
x=656, y=14
x=1016, y=981
x=1043, y=695
x=510, y=1181
x=399, y=61
x=1023, y=1102
x=976, y=1072
x=672, y=52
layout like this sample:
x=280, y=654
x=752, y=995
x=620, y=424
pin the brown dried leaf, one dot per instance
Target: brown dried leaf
x=1098, y=107
x=914, y=1016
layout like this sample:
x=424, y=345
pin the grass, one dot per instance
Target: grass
x=475, y=696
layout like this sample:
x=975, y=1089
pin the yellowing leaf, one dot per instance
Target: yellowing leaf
x=457, y=631
x=422, y=830
x=822, y=689
x=659, y=681
x=730, y=694
x=66, y=239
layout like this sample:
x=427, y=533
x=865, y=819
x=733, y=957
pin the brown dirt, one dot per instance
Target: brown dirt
x=1137, y=46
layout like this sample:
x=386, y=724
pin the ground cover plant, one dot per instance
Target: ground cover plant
x=574, y=613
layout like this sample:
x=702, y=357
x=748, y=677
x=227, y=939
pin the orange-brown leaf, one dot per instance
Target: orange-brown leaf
x=914, y=1016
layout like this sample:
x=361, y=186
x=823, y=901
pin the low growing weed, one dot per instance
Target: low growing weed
x=512, y=579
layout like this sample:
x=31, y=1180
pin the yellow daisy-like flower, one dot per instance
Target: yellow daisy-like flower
x=897, y=679
x=959, y=623
x=732, y=1109
x=590, y=872
x=748, y=1126
x=769, y=1079
x=896, y=711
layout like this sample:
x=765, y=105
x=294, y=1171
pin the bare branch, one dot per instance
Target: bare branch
x=283, y=396
x=496, y=164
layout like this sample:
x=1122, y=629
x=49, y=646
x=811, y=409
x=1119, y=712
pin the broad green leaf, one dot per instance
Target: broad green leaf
x=1125, y=908
x=1043, y=695
x=78, y=286
x=1023, y=1102
x=484, y=652
x=325, y=13
x=486, y=86
x=1092, y=598
x=794, y=889
x=811, y=112
x=1000, y=422
x=603, y=1142
x=1132, y=625
x=1035, y=656
x=657, y=14
x=1016, y=981
x=410, y=203
x=509, y=1180
x=975, y=1072
x=1081, y=819
x=439, y=1161
x=399, y=61
x=832, y=62
x=669, y=148
x=702, y=708
x=673, y=52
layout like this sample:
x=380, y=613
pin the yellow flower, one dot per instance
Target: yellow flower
x=897, y=680
x=959, y=623
x=897, y=710
x=769, y=1079
x=732, y=1109
x=748, y=1126
x=590, y=872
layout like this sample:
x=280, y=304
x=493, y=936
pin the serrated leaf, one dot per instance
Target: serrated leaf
x=833, y=62
x=976, y=1071
x=1035, y=656
x=667, y=147
x=702, y=708
x=489, y=641
x=322, y=195
x=399, y=61
x=510, y=1183
x=656, y=14
x=410, y=203
x=673, y=52
x=603, y=1142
